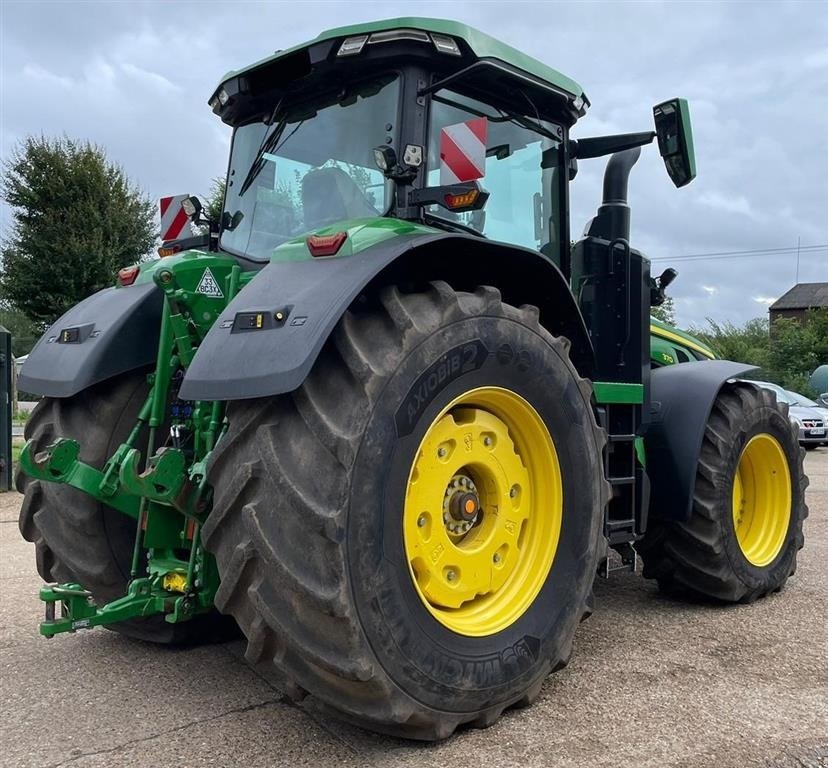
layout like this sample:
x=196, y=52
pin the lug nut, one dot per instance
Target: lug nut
x=496, y=557
x=487, y=441
x=450, y=575
x=441, y=452
x=421, y=521
x=513, y=492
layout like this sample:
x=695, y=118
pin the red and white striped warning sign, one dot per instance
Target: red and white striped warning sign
x=463, y=151
x=173, y=217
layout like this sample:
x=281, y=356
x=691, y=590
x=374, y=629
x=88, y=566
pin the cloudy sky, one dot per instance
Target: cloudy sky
x=134, y=77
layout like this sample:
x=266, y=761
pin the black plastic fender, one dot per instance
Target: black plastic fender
x=682, y=398
x=111, y=332
x=301, y=302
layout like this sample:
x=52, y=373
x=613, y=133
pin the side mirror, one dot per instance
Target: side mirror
x=675, y=140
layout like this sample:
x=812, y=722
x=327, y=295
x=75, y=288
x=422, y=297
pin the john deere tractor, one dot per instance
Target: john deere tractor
x=382, y=416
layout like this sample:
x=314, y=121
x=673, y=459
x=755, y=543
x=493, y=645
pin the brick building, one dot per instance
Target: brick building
x=799, y=299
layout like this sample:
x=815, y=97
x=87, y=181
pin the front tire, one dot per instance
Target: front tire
x=745, y=528
x=321, y=497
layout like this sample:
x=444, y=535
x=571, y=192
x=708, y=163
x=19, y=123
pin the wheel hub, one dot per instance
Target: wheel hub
x=483, y=511
x=461, y=505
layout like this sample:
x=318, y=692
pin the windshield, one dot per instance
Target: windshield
x=521, y=171
x=802, y=400
x=782, y=395
x=309, y=166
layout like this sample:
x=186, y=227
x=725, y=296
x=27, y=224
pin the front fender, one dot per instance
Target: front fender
x=111, y=332
x=682, y=398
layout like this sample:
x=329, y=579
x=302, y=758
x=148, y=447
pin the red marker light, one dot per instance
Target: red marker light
x=326, y=245
x=127, y=275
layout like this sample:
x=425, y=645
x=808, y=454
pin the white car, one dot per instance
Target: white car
x=814, y=406
x=812, y=424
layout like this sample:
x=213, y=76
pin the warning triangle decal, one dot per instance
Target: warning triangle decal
x=208, y=286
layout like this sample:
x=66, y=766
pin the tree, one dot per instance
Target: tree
x=786, y=353
x=797, y=349
x=214, y=205
x=665, y=312
x=747, y=344
x=24, y=333
x=77, y=220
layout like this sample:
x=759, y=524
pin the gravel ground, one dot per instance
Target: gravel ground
x=652, y=683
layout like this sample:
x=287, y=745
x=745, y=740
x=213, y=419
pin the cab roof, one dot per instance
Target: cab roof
x=476, y=47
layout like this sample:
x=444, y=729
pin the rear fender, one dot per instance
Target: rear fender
x=109, y=333
x=682, y=398
x=301, y=302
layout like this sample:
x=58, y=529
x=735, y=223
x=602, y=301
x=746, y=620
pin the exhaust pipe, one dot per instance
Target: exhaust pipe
x=612, y=222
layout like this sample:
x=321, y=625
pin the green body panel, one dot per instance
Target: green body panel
x=362, y=234
x=662, y=352
x=482, y=45
x=665, y=339
x=618, y=393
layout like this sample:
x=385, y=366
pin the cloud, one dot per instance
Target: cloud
x=36, y=72
x=710, y=290
x=766, y=300
x=151, y=79
x=736, y=204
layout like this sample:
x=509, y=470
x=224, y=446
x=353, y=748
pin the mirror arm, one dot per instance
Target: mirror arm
x=598, y=146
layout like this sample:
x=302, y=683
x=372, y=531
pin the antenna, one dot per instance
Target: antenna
x=798, y=239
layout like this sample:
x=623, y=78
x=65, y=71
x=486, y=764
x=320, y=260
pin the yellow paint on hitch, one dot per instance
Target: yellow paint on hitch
x=175, y=581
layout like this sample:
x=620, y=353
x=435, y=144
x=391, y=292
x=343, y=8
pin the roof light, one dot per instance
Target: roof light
x=223, y=97
x=168, y=250
x=445, y=44
x=463, y=200
x=390, y=35
x=326, y=245
x=352, y=45
x=127, y=275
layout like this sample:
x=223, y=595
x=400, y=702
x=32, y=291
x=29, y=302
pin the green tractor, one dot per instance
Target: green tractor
x=382, y=417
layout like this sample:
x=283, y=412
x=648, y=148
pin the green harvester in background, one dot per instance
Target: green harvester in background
x=382, y=417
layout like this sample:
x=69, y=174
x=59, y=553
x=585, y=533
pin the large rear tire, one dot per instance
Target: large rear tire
x=76, y=538
x=745, y=528
x=342, y=552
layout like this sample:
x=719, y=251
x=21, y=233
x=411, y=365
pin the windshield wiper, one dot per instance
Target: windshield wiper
x=503, y=116
x=265, y=148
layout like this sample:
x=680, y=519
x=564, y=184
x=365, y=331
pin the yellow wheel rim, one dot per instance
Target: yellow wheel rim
x=483, y=510
x=762, y=499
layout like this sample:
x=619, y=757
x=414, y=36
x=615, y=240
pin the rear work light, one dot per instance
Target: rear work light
x=127, y=275
x=326, y=245
x=445, y=44
x=351, y=46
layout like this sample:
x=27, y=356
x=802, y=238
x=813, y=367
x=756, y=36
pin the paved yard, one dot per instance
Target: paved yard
x=652, y=683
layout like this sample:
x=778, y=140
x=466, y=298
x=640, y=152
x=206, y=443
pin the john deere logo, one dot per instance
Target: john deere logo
x=208, y=286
